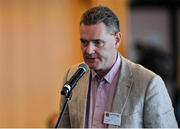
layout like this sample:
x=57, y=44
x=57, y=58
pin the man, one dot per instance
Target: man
x=116, y=92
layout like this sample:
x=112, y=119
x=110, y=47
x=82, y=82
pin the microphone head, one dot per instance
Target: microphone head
x=85, y=67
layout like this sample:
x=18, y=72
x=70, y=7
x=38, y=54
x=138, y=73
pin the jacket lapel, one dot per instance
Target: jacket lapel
x=123, y=88
x=77, y=105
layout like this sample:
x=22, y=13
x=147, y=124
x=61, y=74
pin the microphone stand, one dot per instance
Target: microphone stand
x=67, y=98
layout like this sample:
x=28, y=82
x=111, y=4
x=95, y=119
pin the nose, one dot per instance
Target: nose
x=90, y=49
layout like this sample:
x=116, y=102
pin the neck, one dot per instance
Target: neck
x=103, y=72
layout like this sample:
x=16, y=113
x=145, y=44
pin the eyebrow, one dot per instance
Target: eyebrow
x=95, y=40
x=83, y=40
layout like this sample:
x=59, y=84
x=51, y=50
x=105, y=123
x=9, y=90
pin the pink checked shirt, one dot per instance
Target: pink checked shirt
x=101, y=95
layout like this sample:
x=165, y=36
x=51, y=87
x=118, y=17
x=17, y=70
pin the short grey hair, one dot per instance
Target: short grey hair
x=100, y=14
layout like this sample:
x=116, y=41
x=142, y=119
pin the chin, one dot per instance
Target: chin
x=92, y=66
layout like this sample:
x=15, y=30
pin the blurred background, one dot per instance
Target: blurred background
x=39, y=41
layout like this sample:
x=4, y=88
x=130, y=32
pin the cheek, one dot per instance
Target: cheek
x=109, y=53
x=83, y=50
x=104, y=56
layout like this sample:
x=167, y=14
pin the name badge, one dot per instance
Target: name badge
x=112, y=118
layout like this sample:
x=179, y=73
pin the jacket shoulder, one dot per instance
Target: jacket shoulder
x=139, y=72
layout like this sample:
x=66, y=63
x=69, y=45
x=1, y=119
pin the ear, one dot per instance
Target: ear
x=118, y=37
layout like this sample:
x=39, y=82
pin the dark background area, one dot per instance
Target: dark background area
x=155, y=41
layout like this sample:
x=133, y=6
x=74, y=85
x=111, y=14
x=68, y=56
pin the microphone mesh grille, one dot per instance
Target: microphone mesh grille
x=84, y=66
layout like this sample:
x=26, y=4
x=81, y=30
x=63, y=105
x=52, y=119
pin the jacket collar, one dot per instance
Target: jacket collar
x=123, y=88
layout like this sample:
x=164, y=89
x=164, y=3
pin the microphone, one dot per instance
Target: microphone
x=69, y=85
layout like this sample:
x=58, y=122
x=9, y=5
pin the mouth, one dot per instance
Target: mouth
x=90, y=59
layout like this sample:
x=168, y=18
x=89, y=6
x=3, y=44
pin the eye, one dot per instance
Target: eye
x=98, y=43
x=84, y=43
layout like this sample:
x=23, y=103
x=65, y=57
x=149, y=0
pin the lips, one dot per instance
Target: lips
x=90, y=59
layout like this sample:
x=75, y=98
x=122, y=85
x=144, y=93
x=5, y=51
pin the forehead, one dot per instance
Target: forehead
x=96, y=29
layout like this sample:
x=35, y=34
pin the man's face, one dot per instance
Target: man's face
x=99, y=48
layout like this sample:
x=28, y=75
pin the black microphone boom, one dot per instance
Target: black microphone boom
x=69, y=85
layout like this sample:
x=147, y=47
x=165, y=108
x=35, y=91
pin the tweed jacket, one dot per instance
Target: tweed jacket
x=140, y=97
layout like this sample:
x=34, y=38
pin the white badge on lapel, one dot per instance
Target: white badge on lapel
x=112, y=118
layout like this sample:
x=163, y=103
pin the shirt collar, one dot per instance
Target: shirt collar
x=111, y=74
